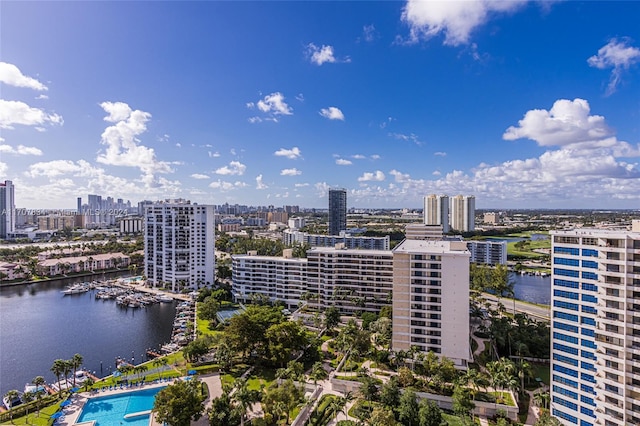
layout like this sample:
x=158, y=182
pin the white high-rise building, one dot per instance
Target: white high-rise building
x=463, y=213
x=436, y=211
x=281, y=278
x=179, y=245
x=7, y=209
x=431, y=298
x=595, y=329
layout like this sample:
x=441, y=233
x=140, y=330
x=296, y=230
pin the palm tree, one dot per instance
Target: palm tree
x=57, y=369
x=27, y=397
x=38, y=381
x=244, y=397
x=66, y=370
x=318, y=372
x=76, y=362
x=10, y=396
x=541, y=399
x=339, y=404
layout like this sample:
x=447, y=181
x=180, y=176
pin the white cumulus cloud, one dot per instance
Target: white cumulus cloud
x=199, y=176
x=20, y=150
x=11, y=75
x=290, y=172
x=227, y=186
x=234, y=168
x=343, y=162
x=566, y=123
x=372, y=176
x=123, y=148
x=320, y=55
x=618, y=55
x=259, y=183
x=455, y=19
x=291, y=154
x=272, y=105
x=17, y=112
x=332, y=113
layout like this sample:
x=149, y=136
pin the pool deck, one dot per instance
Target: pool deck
x=73, y=411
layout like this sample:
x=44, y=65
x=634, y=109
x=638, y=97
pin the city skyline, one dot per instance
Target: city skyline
x=520, y=104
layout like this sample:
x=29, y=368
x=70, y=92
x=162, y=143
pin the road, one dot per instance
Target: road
x=535, y=311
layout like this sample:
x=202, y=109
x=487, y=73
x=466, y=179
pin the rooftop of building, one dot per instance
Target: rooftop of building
x=431, y=246
x=353, y=251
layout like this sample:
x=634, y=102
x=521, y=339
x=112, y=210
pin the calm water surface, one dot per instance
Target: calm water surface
x=532, y=288
x=39, y=324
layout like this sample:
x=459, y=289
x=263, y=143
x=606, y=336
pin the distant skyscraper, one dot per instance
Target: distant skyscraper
x=463, y=213
x=79, y=205
x=337, y=211
x=436, y=211
x=7, y=209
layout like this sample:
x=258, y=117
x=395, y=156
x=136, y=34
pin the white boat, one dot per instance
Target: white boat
x=165, y=299
x=76, y=289
x=12, y=403
x=31, y=388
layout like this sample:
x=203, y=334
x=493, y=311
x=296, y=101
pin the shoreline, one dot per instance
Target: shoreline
x=64, y=277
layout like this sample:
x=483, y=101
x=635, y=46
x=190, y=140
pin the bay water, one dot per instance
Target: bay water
x=39, y=324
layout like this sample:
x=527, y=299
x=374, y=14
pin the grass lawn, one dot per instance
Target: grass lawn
x=259, y=377
x=44, y=419
x=542, y=371
x=527, y=250
x=505, y=396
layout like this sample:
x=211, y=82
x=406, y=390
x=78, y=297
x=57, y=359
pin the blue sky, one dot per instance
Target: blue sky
x=522, y=104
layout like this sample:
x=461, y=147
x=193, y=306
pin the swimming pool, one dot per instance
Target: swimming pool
x=112, y=409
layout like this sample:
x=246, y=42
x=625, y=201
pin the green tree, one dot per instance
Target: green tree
x=338, y=404
x=57, y=369
x=76, y=362
x=11, y=396
x=284, y=339
x=244, y=398
x=382, y=417
x=331, y=318
x=222, y=411
x=462, y=403
x=208, y=310
x=409, y=410
x=430, y=414
x=38, y=381
x=180, y=403
x=390, y=393
x=282, y=398
x=369, y=389
x=318, y=372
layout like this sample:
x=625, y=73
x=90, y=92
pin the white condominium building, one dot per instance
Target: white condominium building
x=436, y=211
x=179, y=241
x=431, y=298
x=292, y=236
x=352, y=280
x=463, y=213
x=278, y=278
x=595, y=330
x=488, y=252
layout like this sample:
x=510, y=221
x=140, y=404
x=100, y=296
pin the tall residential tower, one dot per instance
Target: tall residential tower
x=463, y=213
x=436, y=211
x=7, y=209
x=595, y=329
x=179, y=245
x=337, y=211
